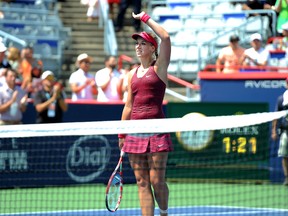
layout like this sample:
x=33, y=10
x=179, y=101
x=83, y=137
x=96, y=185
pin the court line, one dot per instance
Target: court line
x=173, y=211
x=232, y=207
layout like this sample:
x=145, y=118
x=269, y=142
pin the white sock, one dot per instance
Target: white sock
x=163, y=211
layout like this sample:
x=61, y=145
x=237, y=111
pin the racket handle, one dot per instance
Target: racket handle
x=122, y=153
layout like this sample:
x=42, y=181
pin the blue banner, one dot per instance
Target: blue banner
x=42, y=161
x=242, y=91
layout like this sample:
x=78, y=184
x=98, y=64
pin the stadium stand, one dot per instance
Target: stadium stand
x=36, y=24
x=207, y=25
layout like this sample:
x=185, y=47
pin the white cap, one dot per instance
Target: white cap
x=3, y=48
x=46, y=74
x=255, y=36
x=83, y=56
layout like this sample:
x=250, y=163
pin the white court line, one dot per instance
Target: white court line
x=223, y=213
x=186, y=211
x=252, y=208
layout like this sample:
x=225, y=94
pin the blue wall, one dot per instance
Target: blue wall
x=81, y=112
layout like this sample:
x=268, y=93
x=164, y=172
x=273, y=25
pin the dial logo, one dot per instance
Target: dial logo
x=87, y=158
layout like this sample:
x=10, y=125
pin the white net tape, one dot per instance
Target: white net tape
x=139, y=126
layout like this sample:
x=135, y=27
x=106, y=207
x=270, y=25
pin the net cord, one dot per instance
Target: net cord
x=139, y=126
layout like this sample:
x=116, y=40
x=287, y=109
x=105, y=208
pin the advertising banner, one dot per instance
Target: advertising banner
x=263, y=87
x=230, y=154
x=40, y=161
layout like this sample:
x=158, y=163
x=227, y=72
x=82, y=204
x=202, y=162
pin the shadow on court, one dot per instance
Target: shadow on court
x=177, y=211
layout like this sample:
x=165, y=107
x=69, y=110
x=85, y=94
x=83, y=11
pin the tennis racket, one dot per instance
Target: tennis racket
x=115, y=187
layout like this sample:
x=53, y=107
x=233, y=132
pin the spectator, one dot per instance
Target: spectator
x=13, y=100
x=13, y=57
x=229, y=56
x=93, y=9
x=82, y=83
x=111, y=7
x=4, y=64
x=256, y=55
x=282, y=43
x=257, y=5
x=30, y=68
x=282, y=104
x=260, y=5
x=123, y=6
x=50, y=101
x=281, y=7
x=109, y=81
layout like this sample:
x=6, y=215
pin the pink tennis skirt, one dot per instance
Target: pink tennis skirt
x=147, y=143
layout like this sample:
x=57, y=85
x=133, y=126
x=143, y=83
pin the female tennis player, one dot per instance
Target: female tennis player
x=148, y=153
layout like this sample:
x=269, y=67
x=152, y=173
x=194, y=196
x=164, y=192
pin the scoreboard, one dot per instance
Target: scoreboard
x=240, y=153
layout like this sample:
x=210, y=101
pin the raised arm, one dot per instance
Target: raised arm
x=163, y=59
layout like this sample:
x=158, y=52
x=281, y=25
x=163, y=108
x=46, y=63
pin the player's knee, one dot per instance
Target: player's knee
x=143, y=183
x=158, y=184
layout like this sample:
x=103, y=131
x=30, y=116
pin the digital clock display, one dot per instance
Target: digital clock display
x=241, y=140
x=241, y=145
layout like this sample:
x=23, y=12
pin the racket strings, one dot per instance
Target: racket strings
x=114, y=194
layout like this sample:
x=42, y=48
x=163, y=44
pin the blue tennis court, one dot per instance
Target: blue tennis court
x=176, y=211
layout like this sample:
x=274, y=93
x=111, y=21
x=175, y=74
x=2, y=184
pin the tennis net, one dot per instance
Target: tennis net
x=220, y=165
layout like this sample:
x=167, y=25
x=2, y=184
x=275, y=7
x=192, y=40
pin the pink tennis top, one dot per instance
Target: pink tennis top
x=148, y=93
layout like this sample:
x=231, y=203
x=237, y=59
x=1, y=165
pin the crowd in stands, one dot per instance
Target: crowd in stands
x=110, y=83
x=232, y=57
x=22, y=78
x=260, y=53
